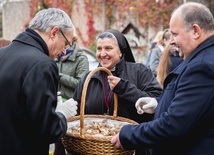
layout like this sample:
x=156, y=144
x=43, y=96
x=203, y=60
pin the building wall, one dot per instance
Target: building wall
x=79, y=18
x=14, y=14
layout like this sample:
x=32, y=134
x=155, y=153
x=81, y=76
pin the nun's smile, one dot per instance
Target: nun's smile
x=108, y=52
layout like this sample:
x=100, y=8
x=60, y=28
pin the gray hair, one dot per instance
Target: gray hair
x=107, y=35
x=196, y=13
x=46, y=19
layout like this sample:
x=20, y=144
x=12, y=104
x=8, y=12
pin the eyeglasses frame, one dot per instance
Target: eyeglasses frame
x=69, y=44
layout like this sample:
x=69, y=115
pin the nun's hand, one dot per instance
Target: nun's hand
x=113, y=81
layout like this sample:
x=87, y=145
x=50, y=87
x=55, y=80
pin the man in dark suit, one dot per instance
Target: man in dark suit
x=184, y=116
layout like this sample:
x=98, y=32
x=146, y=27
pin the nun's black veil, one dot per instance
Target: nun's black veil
x=123, y=44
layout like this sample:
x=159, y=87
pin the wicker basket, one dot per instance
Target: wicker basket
x=86, y=144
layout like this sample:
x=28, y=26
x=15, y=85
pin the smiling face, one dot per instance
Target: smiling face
x=108, y=52
x=183, y=39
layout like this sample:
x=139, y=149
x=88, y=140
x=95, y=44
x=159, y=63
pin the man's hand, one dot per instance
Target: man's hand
x=116, y=141
x=146, y=104
x=67, y=108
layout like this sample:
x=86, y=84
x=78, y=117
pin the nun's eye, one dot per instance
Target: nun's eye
x=98, y=48
x=109, y=48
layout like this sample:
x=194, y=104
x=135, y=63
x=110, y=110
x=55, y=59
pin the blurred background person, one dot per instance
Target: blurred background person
x=72, y=66
x=4, y=42
x=157, y=51
x=156, y=39
x=169, y=60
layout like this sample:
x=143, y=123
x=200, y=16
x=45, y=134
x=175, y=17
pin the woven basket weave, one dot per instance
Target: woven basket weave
x=86, y=144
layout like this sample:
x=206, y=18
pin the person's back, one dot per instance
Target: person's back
x=72, y=67
x=29, y=78
x=17, y=125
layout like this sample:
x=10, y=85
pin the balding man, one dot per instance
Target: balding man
x=184, y=116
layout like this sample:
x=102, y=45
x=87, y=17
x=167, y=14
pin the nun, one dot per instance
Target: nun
x=130, y=81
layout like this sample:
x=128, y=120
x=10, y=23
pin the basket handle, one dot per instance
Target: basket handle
x=83, y=97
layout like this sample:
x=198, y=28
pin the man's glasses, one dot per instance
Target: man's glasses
x=68, y=43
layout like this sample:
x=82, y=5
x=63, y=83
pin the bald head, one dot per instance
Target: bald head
x=195, y=13
x=190, y=25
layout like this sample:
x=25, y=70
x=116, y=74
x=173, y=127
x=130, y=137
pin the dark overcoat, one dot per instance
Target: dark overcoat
x=28, y=88
x=184, y=117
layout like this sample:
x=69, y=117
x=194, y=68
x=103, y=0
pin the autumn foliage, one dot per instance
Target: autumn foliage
x=147, y=12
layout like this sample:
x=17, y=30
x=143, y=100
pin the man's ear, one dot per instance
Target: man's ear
x=196, y=31
x=53, y=32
